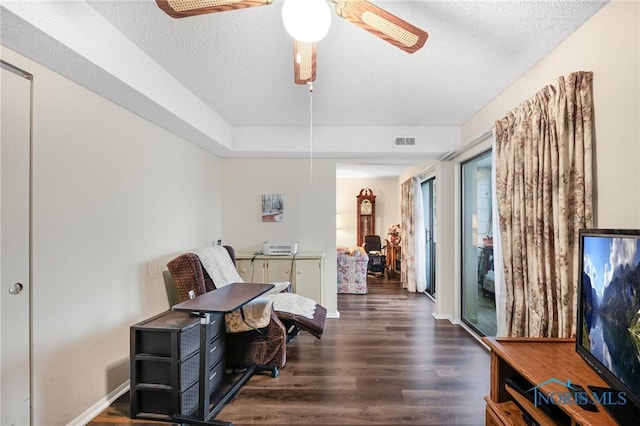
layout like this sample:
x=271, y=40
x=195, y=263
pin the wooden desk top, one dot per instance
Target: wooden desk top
x=225, y=299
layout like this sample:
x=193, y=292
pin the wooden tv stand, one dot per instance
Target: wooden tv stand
x=536, y=360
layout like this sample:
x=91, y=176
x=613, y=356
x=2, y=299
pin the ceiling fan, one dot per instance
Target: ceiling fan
x=362, y=13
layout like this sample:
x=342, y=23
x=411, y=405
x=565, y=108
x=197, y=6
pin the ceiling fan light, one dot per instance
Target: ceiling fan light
x=306, y=20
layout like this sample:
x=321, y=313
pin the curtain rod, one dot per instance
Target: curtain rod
x=448, y=156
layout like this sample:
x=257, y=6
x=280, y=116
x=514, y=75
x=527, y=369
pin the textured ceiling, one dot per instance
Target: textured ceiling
x=238, y=65
x=240, y=62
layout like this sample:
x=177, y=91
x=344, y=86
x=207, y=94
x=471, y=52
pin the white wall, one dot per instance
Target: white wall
x=113, y=197
x=387, y=192
x=609, y=45
x=447, y=247
x=330, y=141
x=309, y=209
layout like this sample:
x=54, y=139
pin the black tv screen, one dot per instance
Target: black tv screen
x=608, y=327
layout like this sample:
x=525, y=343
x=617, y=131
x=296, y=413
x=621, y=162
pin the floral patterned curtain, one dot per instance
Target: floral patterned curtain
x=407, y=221
x=544, y=192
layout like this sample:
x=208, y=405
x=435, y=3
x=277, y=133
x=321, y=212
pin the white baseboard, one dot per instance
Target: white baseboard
x=444, y=317
x=100, y=406
x=463, y=325
x=334, y=314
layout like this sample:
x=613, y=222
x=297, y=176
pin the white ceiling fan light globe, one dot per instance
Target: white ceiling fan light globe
x=306, y=20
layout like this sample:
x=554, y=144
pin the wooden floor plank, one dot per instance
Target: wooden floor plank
x=386, y=361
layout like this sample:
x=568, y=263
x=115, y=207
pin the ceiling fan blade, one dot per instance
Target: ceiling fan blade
x=184, y=8
x=304, y=62
x=382, y=24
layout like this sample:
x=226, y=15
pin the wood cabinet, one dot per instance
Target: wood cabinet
x=308, y=280
x=304, y=271
x=541, y=364
x=261, y=269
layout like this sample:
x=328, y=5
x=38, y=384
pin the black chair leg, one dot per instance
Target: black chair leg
x=275, y=372
x=292, y=333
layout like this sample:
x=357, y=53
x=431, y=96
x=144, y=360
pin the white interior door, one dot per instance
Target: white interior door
x=15, y=146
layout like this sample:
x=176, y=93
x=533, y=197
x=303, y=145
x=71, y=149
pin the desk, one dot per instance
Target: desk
x=225, y=299
x=222, y=300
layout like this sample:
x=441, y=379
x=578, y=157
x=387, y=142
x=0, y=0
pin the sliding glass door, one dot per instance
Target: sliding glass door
x=478, y=298
x=429, y=212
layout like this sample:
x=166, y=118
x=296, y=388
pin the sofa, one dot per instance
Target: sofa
x=352, y=270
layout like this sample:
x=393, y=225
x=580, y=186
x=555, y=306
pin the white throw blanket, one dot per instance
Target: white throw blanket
x=218, y=264
x=252, y=315
x=294, y=304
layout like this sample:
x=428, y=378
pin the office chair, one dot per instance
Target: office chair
x=376, y=252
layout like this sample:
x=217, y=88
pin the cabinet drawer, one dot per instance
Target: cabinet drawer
x=157, y=335
x=154, y=402
x=216, y=376
x=216, y=349
x=216, y=325
x=159, y=372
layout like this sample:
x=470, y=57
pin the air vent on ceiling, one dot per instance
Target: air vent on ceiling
x=404, y=141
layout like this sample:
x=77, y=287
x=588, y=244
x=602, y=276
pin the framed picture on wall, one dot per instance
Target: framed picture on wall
x=272, y=208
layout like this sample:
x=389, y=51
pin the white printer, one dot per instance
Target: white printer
x=279, y=248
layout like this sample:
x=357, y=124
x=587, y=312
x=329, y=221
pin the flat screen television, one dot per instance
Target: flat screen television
x=608, y=326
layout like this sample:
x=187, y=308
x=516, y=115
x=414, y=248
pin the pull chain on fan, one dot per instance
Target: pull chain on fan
x=310, y=85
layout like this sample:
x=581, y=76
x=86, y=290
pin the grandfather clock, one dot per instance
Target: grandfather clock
x=366, y=211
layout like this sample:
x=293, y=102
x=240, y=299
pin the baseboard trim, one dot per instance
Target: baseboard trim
x=468, y=329
x=334, y=314
x=474, y=335
x=444, y=317
x=97, y=408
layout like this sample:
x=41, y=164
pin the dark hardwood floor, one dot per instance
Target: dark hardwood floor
x=386, y=361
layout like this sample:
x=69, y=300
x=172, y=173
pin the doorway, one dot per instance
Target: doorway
x=478, y=295
x=429, y=215
x=15, y=292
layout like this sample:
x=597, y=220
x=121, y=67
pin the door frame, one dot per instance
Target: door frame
x=466, y=259
x=430, y=220
x=16, y=403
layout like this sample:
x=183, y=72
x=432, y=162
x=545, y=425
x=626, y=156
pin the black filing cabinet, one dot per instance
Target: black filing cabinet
x=165, y=361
